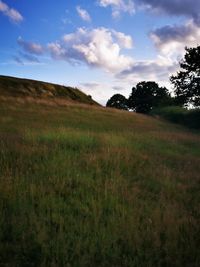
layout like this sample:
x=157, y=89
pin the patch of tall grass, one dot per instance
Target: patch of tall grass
x=96, y=187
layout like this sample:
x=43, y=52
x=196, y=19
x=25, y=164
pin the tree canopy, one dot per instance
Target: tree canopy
x=117, y=101
x=147, y=95
x=187, y=80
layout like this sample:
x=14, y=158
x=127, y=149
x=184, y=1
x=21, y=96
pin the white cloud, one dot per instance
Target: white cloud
x=170, y=42
x=98, y=47
x=11, y=13
x=172, y=39
x=123, y=39
x=118, y=6
x=83, y=14
x=102, y=48
x=158, y=70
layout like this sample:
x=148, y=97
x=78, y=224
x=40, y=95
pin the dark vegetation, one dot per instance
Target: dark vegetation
x=148, y=95
x=189, y=118
x=187, y=81
x=118, y=101
x=143, y=98
x=10, y=86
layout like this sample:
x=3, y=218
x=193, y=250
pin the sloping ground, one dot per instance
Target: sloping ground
x=10, y=86
x=88, y=186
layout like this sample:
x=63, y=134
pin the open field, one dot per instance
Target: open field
x=88, y=186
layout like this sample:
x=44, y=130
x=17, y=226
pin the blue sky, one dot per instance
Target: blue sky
x=102, y=46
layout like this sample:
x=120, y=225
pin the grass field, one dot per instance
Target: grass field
x=88, y=186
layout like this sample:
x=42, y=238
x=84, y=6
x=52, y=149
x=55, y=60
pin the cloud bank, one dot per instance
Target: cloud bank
x=189, y=8
x=171, y=40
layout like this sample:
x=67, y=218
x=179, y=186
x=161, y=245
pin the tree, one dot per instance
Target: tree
x=147, y=95
x=187, y=81
x=117, y=101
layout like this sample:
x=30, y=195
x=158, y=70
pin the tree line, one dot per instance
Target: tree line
x=147, y=95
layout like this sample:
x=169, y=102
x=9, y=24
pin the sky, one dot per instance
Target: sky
x=103, y=47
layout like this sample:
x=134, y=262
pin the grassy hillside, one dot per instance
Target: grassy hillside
x=88, y=186
x=10, y=86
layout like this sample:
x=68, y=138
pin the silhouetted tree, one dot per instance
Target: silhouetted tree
x=147, y=95
x=187, y=81
x=117, y=101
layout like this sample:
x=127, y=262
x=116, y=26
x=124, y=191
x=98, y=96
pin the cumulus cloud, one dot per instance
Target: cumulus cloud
x=30, y=47
x=103, y=47
x=118, y=6
x=123, y=39
x=98, y=47
x=188, y=8
x=83, y=14
x=171, y=40
x=158, y=70
x=11, y=13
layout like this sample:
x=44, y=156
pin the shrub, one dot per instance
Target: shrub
x=189, y=118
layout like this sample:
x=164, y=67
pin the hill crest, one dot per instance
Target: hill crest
x=21, y=87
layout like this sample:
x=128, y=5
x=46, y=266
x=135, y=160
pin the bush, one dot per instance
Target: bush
x=189, y=118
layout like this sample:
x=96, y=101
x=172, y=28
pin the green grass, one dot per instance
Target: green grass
x=88, y=186
x=188, y=118
x=11, y=86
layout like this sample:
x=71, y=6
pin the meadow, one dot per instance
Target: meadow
x=88, y=186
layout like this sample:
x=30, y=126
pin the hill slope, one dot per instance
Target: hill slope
x=88, y=186
x=10, y=86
